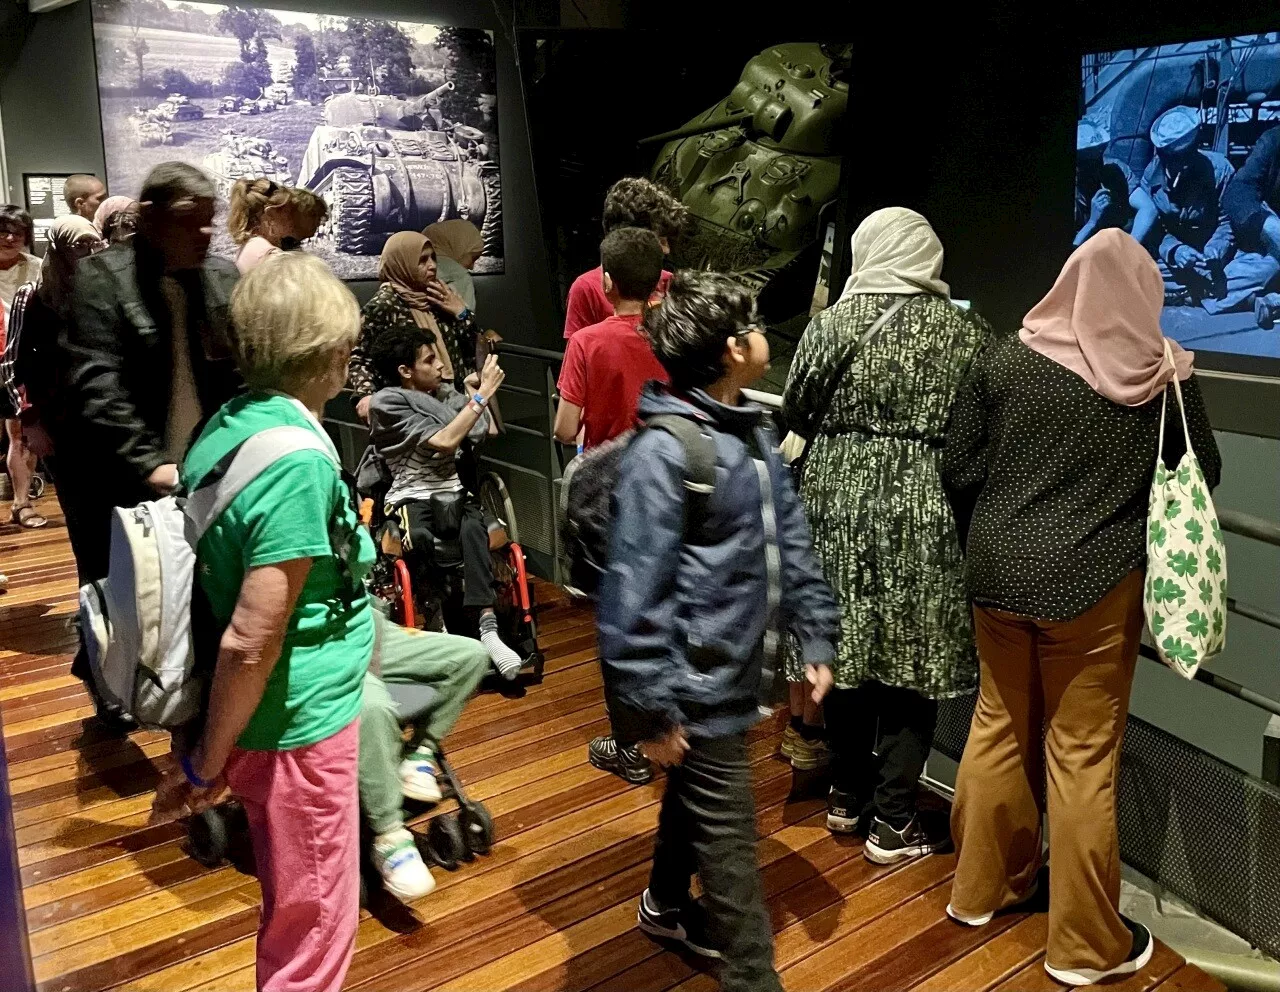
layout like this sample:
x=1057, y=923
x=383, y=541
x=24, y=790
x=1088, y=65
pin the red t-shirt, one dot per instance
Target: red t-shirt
x=588, y=305
x=605, y=367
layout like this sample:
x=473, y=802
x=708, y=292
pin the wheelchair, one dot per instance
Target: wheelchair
x=222, y=833
x=430, y=595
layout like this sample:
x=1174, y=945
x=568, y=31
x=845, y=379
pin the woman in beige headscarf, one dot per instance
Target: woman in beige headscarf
x=412, y=294
x=458, y=247
x=871, y=387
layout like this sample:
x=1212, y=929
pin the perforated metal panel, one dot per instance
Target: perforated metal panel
x=531, y=496
x=1205, y=830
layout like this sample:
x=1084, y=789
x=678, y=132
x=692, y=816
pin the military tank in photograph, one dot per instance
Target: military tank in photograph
x=241, y=156
x=387, y=164
x=760, y=172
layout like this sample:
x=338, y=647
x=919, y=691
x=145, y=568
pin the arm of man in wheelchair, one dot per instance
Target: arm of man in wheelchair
x=402, y=421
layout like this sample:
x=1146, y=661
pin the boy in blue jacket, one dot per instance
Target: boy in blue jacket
x=691, y=617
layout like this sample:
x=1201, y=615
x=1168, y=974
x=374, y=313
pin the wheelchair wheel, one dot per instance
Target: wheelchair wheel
x=477, y=827
x=210, y=837
x=445, y=842
x=497, y=503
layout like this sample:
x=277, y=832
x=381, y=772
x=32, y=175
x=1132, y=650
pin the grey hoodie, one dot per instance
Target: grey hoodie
x=401, y=421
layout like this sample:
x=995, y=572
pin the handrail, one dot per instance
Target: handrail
x=1247, y=525
x=526, y=351
x=1221, y=683
x=764, y=399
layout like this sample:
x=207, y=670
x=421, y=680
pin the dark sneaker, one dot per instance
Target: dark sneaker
x=1265, y=310
x=1139, y=955
x=686, y=925
x=843, y=812
x=887, y=845
x=625, y=762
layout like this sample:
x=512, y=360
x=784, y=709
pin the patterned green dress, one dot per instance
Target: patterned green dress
x=872, y=487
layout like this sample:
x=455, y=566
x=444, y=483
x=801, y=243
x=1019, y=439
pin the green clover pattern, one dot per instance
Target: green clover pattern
x=1184, y=563
x=1177, y=650
x=1197, y=624
x=1195, y=531
x=1172, y=508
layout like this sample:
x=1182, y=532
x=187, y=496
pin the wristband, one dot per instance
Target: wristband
x=191, y=776
x=479, y=399
x=464, y=313
x=476, y=408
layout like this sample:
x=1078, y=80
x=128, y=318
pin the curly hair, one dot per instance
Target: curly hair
x=249, y=200
x=643, y=203
x=399, y=346
x=689, y=329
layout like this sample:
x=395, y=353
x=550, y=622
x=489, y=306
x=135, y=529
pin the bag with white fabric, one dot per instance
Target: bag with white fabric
x=138, y=622
x=1185, y=599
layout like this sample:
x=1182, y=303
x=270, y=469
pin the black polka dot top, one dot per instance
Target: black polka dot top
x=1051, y=480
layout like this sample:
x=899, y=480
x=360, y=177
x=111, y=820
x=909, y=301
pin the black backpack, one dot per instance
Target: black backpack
x=586, y=518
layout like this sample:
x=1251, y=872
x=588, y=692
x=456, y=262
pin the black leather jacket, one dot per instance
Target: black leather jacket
x=119, y=358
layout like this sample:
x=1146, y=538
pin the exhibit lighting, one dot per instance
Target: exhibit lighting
x=44, y=6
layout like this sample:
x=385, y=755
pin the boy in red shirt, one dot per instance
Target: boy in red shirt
x=629, y=203
x=607, y=364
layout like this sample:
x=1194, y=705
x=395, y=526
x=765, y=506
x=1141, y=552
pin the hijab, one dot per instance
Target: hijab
x=111, y=205
x=896, y=251
x=398, y=268
x=57, y=271
x=1101, y=320
x=455, y=239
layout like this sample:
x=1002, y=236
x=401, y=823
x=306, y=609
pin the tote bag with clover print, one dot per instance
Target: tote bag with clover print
x=1185, y=599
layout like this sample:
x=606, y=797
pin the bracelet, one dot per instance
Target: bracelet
x=476, y=408
x=480, y=400
x=464, y=313
x=191, y=776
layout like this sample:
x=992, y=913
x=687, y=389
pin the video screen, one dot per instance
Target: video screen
x=393, y=123
x=1180, y=146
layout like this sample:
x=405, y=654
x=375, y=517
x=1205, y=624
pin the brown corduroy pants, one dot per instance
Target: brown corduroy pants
x=1070, y=680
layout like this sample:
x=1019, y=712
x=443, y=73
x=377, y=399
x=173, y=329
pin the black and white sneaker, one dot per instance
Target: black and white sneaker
x=625, y=762
x=843, y=812
x=1139, y=955
x=686, y=925
x=887, y=845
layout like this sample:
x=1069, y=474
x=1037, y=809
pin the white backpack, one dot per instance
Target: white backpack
x=136, y=623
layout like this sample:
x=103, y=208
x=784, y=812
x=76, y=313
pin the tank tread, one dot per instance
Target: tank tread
x=352, y=208
x=491, y=230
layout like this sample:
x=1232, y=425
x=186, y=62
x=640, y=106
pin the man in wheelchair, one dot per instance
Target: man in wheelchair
x=417, y=423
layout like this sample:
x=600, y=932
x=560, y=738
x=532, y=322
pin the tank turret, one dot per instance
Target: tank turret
x=760, y=171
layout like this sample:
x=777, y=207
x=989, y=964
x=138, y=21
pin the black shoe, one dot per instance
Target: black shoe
x=111, y=718
x=1139, y=955
x=844, y=812
x=887, y=845
x=686, y=925
x=625, y=762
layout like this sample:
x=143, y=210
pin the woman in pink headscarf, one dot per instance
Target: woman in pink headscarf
x=1050, y=452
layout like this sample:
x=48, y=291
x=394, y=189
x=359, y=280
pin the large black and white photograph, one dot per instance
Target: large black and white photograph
x=393, y=123
x=1179, y=144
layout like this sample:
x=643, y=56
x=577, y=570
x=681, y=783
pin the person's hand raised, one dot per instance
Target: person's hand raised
x=491, y=376
x=444, y=297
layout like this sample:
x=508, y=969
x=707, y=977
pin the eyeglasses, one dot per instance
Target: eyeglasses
x=754, y=328
x=15, y=235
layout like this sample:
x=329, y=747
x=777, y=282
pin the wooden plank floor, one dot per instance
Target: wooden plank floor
x=113, y=903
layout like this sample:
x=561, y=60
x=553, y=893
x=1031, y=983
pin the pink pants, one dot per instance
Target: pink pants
x=304, y=818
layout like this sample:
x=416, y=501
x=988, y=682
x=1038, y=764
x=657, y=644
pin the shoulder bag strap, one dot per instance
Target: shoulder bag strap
x=889, y=312
x=242, y=465
x=699, y=464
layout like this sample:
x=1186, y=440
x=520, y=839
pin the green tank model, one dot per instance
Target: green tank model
x=387, y=164
x=760, y=172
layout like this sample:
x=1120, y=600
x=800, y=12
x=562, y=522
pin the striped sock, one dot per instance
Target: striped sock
x=506, y=661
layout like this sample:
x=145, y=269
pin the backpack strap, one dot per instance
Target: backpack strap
x=244, y=463
x=699, y=464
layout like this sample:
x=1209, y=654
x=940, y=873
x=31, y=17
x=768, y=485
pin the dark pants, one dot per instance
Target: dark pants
x=708, y=826
x=881, y=736
x=473, y=542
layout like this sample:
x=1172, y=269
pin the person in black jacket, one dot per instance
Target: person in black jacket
x=148, y=356
x=690, y=621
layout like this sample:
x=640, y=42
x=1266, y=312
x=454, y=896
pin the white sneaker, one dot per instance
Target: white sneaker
x=419, y=775
x=1139, y=956
x=404, y=874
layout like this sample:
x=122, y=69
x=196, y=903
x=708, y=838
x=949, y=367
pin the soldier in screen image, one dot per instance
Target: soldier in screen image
x=1108, y=193
x=1197, y=252
x=1250, y=203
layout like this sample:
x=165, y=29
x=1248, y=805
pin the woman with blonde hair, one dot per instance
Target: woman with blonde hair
x=871, y=387
x=1053, y=443
x=412, y=295
x=266, y=217
x=283, y=568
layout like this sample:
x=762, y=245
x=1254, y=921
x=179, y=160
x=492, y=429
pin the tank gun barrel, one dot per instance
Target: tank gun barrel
x=736, y=119
x=433, y=97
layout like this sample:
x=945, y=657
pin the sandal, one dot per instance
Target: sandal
x=27, y=516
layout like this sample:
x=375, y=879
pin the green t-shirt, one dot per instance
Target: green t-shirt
x=284, y=514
